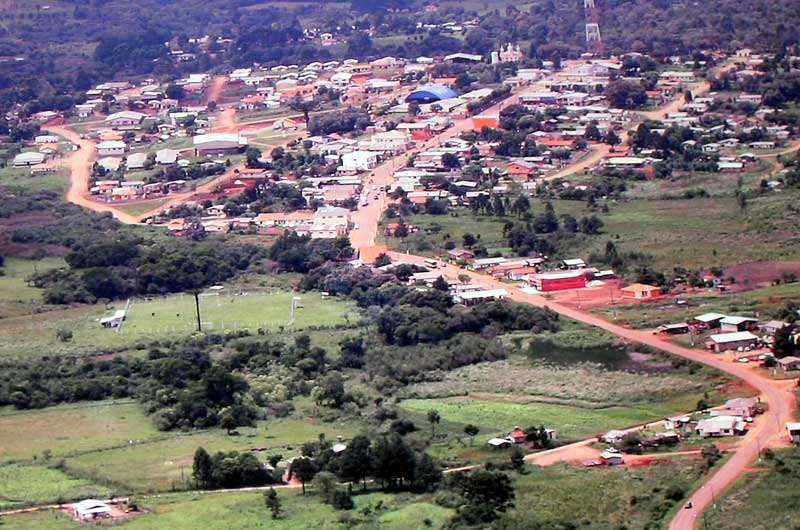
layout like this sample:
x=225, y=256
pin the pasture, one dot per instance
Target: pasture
x=22, y=486
x=141, y=207
x=72, y=428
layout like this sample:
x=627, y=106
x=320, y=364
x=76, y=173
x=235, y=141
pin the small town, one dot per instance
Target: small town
x=399, y=265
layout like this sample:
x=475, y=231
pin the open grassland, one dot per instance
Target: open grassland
x=246, y=511
x=436, y=230
x=767, y=499
x=14, y=177
x=763, y=302
x=141, y=207
x=73, y=428
x=164, y=464
x=603, y=498
x=715, y=184
x=498, y=414
x=17, y=296
x=172, y=316
x=28, y=485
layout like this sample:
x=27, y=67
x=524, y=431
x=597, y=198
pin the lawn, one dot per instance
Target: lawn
x=142, y=207
x=766, y=499
x=35, y=335
x=497, y=415
x=166, y=464
x=246, y=511
x=605, y=497
x=21, y=486
x=73, y=428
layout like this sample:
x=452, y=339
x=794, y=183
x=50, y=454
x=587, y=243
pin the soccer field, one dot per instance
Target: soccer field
x=221, y=311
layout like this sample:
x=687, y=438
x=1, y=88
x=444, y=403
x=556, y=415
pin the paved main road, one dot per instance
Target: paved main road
x=767, y=431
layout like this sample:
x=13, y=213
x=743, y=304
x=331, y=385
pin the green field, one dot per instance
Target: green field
x=72, y=428
x=172, y=316
x=29, y=485
x=246, y=511
x=767, y=499
x=17, y=296
x=141, y=207
x=499, y=416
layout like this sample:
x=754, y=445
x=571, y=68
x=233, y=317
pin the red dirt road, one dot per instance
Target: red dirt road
x=767, y=431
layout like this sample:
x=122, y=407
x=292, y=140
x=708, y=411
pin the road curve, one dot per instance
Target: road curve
x=767, y=431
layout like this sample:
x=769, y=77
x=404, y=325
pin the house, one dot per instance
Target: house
x=720, y=426
x=793, y=428
x=460, y=253
x=109, y=163
x=519, y=171
x=359, y=161
x=640, y=291
x=480, y=121
x=744, y=407
x=572, y=264
x=90, y=509
x=126, y=119
x=613, y=436
x=611, y=457
x=707, y=320
x=485, y=263
x=46, y=139
x=674, y=329
x=135, y=161
x=732, y=324
x=499, y=443
x=557, y=281
x=731, y=341
x=115, y=320
x=517, y=435
x=111, y=148
x=676, y=422
x=476, y=297
x=30, y=158
x=332, y=216
x=218, y=144
x=391, y=141
x=789, y=364
x=167, y=157
x=772, y=327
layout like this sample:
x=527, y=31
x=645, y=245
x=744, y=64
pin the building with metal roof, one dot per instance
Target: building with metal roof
x=430, y=93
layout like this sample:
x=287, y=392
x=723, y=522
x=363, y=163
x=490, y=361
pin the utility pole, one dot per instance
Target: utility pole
x=196, y=293
x=613, y=307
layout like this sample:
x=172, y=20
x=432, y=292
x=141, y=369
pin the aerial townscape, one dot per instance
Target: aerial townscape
x=399, y=264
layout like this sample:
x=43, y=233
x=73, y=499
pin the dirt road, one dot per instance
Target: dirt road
x=79, y=164
x=767, y=431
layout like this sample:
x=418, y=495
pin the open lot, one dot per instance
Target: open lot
x=27, y=485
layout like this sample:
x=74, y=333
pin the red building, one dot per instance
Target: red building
x=558, y=281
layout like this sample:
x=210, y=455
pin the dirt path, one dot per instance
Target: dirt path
x=767, y=431
x=79, y=164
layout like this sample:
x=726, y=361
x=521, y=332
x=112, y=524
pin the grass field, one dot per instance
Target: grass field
x=139, y=208
x=29, y=485
x=246, y=511
x=68, y=429
x=172, y=316
x=603, y=498
x=17, y=297
x=763, y=500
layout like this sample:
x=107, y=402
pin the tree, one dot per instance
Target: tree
x=394, y=460
x=252, y=156
x=433, y=418
x=342, y=500
x=469, y=240
x=450, y=161
x=382, y=260
x=711, y=454
x=464, y=278
x=202, y=468
x=175, y=92
x=356, y=460
x=522, y=205
x=440, y=284
x=487, y=493
x=272, y=502
x=517, y=458
x=325, y=484
x=304, y=469
x=228, y=422
x=471, y=431
x=612, y=139
x=784, y=345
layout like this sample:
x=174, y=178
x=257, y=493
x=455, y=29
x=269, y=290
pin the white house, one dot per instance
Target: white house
x=332, y=216
x=135, y=161
x=111, y=148
x=30, y=158
x=124, y=119
x=359, y=161
x=390, y=141
x=167, y=156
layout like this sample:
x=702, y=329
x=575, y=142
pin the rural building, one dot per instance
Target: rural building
x=793, y=428
x=218, y=144
x=136, y=161
x=519, y=171
x=732, y=324
x=114, y=320
x=789, y=364
x=332, y=216
x=476, y=297
x=674, y=329
x=572, y=264
x=484, y=120
x=745, y=407
x=772, y=327
x=367, y=255
x=359, y=161
x=612, y=458
x=640, y=291
x=30, y=158
x=124, y=120
x=613, y=436
x=46, y=139
x=499, y=443
x=90, y=509
x=731, y=341
x=720, y=426
x=518, y=435
x=485, y=263
x=707, y=320
x=167, y=157
x=390, y=141
x=111, y=148
x=460, y=253
x=557, y=281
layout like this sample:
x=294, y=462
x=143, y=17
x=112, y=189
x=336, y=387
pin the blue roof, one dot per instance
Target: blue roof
x=431, y=93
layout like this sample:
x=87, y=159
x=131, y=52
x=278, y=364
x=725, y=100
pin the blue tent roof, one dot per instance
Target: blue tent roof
x=429, y=93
